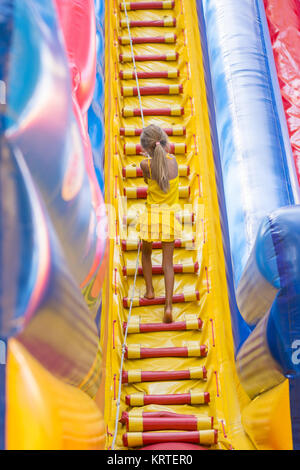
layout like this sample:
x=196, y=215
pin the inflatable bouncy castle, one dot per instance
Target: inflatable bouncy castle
x=86, y=361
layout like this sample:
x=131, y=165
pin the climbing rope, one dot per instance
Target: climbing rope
x=124, y=350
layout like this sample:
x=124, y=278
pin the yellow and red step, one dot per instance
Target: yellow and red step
x=129, y=111
x=192, y=296
x=130, y=74
x=184, y=217
x=169, y=38
x=174, y=89
x=141, y=192
x=129, y=245
x=138, y=439
x=136, y=149
x=170, y=56
x=136, y=351
x=161, y=414
x=170, y=131
x=136, y=171
x=153, y=414
x=180, y=422
x=163, y=5
x=137, y=376
x=192, y=322
x=163, y=23
x=179, y=268
x=194, y=397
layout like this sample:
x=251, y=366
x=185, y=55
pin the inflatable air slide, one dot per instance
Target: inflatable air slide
x=86, y=360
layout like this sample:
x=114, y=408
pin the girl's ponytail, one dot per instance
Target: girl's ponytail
x=155, y=141
x=159, y=167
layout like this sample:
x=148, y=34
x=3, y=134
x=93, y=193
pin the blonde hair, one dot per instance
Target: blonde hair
x=154, y=140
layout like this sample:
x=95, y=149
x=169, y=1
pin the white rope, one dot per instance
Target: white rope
x=138, y=253
x=123, y=351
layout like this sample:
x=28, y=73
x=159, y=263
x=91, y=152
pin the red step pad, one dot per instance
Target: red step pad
x=192, y=398
x=177, y=298
x=164, y=5
x=191, y=323
x=158, y=269
x=136, y=171
x=128, y=111
x=167, y=57
x=137, y=376
x=141, y=192
x=157, y=414
x=171, y=131
x=139, y=439
x=164, y=23
x=136, y=149
x=128, y=245
x=174, y=446
x=135, y=351
x=152, y=90
x=143, y=423
x=130, y=74
x=169, y=38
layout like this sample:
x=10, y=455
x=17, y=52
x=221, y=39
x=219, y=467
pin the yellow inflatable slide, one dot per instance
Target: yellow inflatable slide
x=178, y=383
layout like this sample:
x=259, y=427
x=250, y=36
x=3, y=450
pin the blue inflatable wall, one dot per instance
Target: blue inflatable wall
x=96, y=111
x=252, y=148
x=49, y=236
x=253, y=157
x=41, y=122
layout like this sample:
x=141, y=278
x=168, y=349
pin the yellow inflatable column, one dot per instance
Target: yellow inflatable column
x=43, y=413
x=267, y=419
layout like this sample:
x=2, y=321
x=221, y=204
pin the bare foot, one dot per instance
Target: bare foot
x=149, y=294
x=168, y=315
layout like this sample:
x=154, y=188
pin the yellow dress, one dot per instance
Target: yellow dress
x=158, y=221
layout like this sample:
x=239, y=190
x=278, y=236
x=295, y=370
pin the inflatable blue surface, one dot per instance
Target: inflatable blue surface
x=253, y=159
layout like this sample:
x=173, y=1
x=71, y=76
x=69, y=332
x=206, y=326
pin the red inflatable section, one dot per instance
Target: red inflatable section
x=284, y=24
x=77, y=18
x=78, y=24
